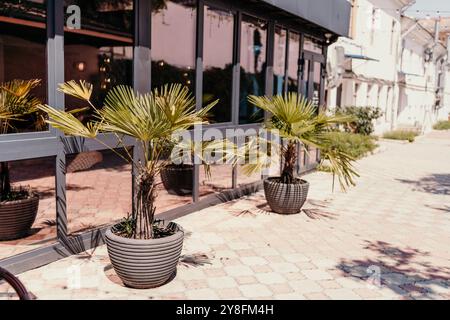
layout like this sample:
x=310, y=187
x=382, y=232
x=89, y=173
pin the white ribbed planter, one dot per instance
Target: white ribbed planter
x=17, y=217
x=144, y=264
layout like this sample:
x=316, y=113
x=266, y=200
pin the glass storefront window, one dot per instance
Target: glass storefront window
x=294, y=50
x=279, y=63
x=38, y=175
x=218, y=61
x=173, y=43
x=317, y=80
x=253, y=67
x=304, y=90
x=312, y=45
x=23, y=57
x=101, y=52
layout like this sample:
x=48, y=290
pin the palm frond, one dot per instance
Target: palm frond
x=81, y=90
x=16, y=98
x=69, y=124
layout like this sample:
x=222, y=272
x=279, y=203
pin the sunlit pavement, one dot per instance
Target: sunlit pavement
x=386, y=238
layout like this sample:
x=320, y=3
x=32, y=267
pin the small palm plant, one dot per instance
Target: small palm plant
x=295, y=120
x=151, y=119
x=16, y=102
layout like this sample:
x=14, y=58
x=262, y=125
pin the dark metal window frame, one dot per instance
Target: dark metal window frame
x=54, y=144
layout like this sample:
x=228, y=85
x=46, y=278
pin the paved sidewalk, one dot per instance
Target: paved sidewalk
x=387, y=238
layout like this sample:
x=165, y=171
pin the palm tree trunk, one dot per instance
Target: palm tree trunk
x=5, y=183
x=290, y=158
x=144, y=212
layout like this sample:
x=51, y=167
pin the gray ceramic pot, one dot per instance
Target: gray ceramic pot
x=145, y=264
x=285, y=198
x=17, y=217
x=178, y=179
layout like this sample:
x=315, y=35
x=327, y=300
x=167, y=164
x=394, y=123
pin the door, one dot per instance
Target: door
x=312, y=87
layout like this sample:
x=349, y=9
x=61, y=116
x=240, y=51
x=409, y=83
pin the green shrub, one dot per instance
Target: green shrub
x=442, y=125
x=355, y=145
x=401, y=135
x=363, y=118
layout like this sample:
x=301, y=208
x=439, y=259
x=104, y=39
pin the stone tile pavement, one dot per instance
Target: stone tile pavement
x=386, y=238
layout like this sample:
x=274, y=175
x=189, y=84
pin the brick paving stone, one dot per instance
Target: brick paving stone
x=202, y=294
x=229, y=293
x=366, y=293
x=329, y=284
x=222, y=283
x=280, y=288
x=253, y=291
x=305, y=286
x=316, y=296
x=254, y=261
x=261, y=269
x=317, y=275
x=246, y=280
x=342, y=294
x=270, y=278
x=239, y=270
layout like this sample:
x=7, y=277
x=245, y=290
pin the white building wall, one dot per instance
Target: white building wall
x=400, y=82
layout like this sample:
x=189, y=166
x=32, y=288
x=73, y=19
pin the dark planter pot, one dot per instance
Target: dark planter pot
x=17, y=217
x=144, y=264
x=285, y=198
x=178, y=179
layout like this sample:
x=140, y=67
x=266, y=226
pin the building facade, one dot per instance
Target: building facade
x=222, y=50
x=390, y=61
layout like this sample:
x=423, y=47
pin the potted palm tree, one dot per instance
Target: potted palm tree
x=18, y=206
x=295, y=120
x=144, y=252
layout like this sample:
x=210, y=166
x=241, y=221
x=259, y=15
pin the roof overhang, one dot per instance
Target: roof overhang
x=334, y=16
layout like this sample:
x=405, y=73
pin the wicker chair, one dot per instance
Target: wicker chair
x=18, y=286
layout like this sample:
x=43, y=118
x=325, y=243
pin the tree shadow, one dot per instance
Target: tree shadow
x=445, y=209
x=402, y=270
x=195, y=260
x=437, y=183
x=319, y=214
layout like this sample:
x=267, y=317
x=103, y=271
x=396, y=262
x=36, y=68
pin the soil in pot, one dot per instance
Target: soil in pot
x=178, y=179
x=17, y=214
x=145, y=264
x=285, y=198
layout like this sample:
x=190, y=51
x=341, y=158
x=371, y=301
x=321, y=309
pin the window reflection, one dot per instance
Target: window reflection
x=279, y=63
x=304, y=90
x=294, y=50
x=101, y=52
x=312, y=45
x=253, y=67
x=23, y=53
x=173, y=43
x=317, y=80
x=218, y=59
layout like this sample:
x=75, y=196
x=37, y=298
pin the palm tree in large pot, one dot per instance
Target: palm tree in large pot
x=18, y=206
x=295, y=120
x=144, y=252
